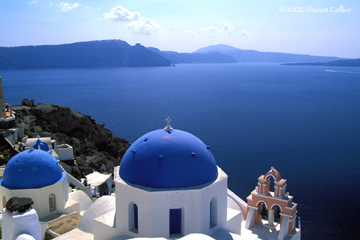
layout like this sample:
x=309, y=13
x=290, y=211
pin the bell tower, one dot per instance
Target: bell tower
x=277, y=205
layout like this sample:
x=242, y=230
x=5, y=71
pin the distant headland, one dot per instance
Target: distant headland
x=108, y=53
x=118, y=53
x=339, y=63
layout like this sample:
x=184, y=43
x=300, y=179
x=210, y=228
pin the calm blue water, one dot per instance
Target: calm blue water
x=304, y=121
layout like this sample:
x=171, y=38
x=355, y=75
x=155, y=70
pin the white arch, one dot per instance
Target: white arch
x=272, y=175
x=262, y=202
x=276, y=204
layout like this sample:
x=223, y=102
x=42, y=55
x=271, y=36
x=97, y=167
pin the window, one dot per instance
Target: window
x=133, y=218
x=213, y=213
x=4, y=201
x=52, y=202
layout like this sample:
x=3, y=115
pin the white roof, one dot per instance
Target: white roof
x=82, y=198
x=96, y=178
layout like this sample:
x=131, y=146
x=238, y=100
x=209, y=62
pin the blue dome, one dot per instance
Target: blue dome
x=31, y=169
x=168, y=159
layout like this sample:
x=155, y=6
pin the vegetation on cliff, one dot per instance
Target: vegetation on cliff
x=95, y=147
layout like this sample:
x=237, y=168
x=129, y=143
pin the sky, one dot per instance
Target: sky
x=317, y=27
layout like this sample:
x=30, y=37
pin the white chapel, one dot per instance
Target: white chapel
x=169, y=186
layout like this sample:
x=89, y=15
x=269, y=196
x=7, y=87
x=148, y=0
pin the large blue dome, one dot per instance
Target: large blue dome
x=31, y=169
x=168, y=159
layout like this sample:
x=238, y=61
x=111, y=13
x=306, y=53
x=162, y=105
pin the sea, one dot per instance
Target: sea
x=302, y=120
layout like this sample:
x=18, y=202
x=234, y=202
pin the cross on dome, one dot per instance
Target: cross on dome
x=168, y=128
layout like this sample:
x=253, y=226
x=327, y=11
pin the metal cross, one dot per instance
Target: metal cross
x=168, y=128
x=168, y=120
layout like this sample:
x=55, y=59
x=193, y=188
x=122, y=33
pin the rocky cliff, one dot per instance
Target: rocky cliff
x=95, y=147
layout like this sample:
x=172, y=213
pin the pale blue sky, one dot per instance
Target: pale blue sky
x=187, y=25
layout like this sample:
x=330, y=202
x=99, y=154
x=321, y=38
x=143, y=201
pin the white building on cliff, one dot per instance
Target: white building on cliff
x=168, y=186
x=6, y=113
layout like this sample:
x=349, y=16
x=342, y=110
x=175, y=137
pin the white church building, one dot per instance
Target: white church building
x=36, y=174
x=168, y=186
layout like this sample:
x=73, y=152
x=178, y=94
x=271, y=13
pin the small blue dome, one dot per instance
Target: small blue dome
x=41, y=145
x=168, y=159
x=31, y=169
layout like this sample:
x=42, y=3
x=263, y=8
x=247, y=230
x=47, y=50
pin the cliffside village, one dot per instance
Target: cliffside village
x=167, y=186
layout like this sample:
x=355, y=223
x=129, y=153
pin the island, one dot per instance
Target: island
x=339, y=63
